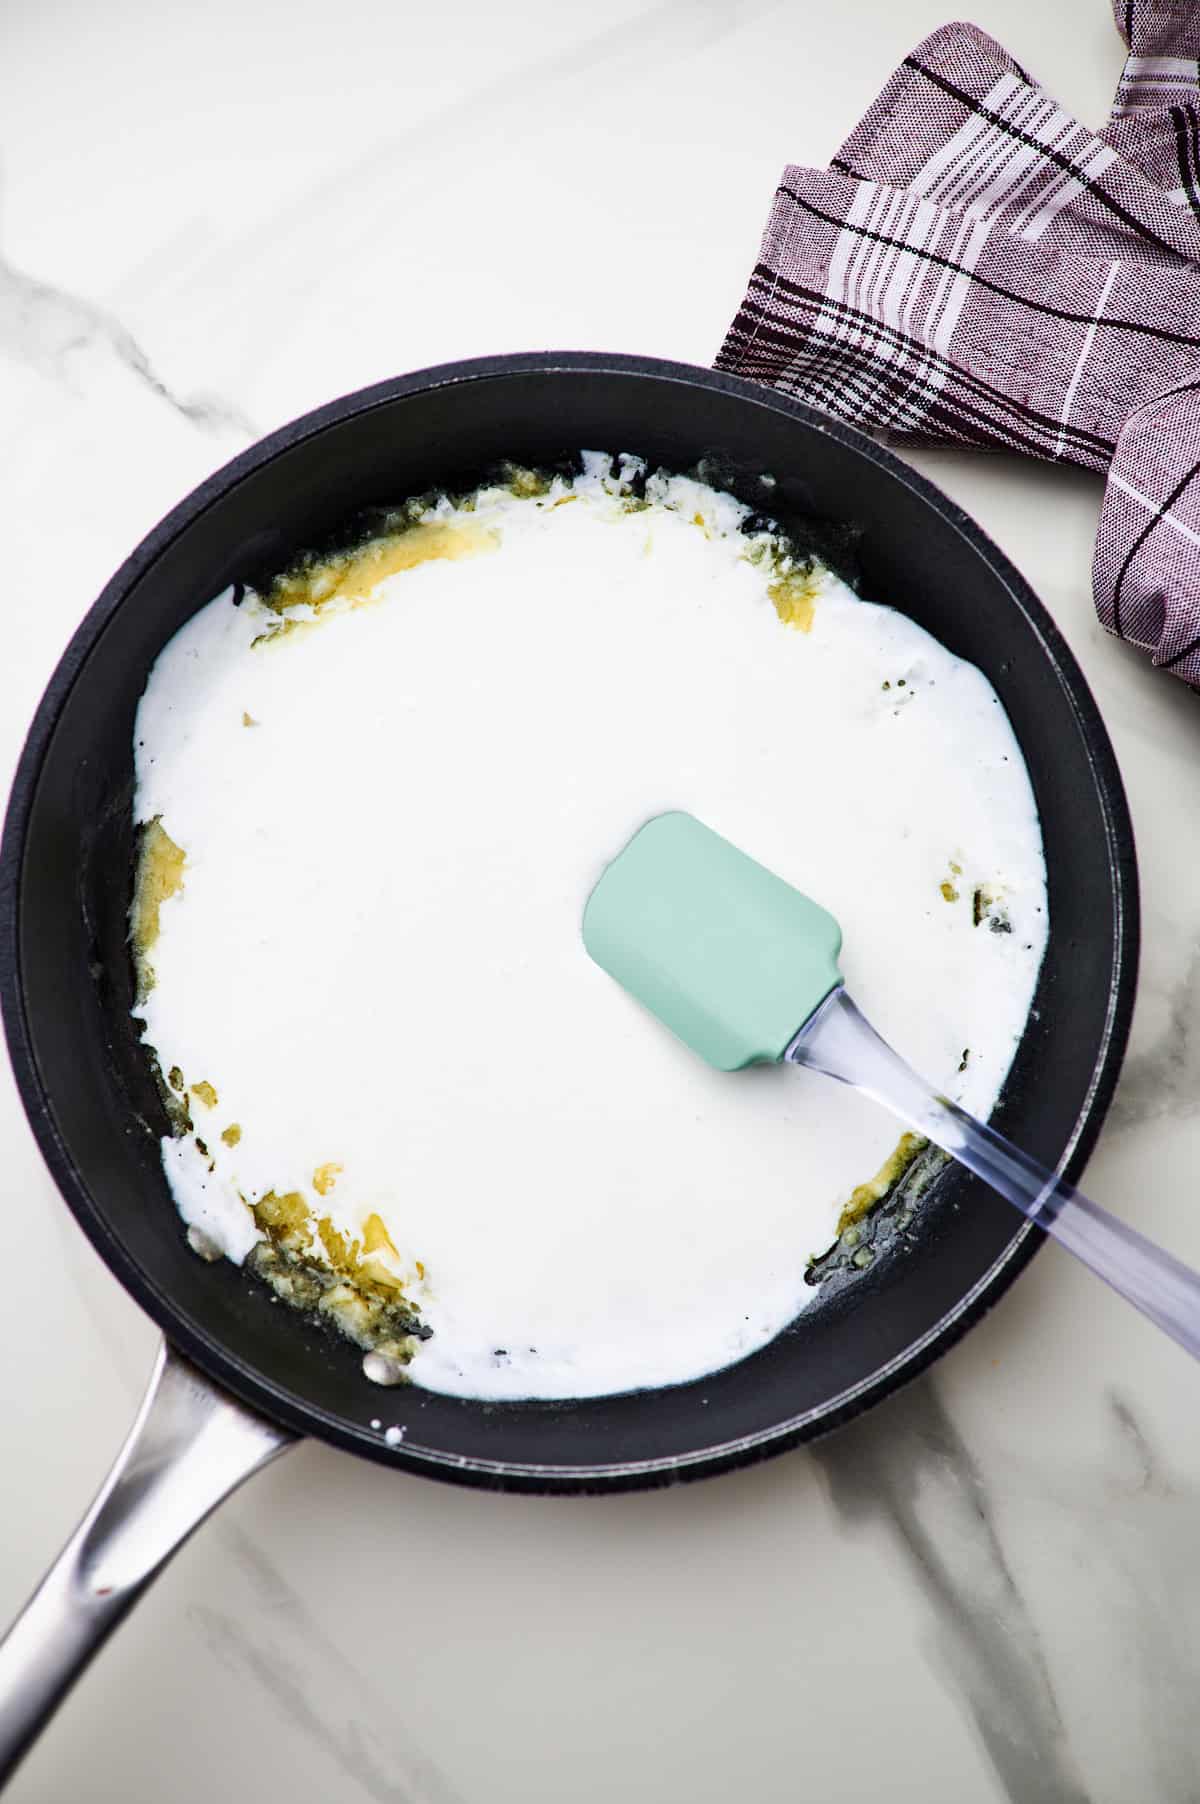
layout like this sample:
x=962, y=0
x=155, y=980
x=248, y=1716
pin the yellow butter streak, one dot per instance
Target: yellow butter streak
x=158, y=877
x=865, y=1196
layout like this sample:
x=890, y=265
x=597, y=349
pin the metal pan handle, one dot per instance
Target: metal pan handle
x=190, y=1446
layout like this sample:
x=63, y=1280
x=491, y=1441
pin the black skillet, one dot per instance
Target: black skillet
x=67, y=982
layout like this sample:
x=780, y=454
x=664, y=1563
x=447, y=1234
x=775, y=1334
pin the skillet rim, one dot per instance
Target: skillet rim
x=236, y=1375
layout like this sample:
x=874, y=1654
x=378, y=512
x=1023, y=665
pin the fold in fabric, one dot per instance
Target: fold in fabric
x=978, y=268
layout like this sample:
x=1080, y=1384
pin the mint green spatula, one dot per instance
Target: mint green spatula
x=743, y=968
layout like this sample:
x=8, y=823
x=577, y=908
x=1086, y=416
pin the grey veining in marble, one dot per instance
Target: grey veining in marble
x=276, y=1643
x=1164, y=1077
x=912, y=1469
x=42, y=326
x=1145, y=1522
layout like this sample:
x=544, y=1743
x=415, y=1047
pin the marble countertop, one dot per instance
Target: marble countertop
x=214, y=218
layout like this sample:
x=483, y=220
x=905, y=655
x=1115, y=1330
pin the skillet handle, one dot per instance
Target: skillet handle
x=190, y=1446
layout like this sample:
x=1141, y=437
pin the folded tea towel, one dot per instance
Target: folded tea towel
x=976, y=267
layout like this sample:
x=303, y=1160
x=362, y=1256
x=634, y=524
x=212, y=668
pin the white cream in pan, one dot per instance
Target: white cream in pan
x=366, y=969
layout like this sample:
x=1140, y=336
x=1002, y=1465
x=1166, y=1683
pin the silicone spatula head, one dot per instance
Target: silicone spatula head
x=728, y=956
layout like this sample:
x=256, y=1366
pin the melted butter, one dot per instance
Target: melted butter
x=290, y=1225
x=158, y=877
x=341, y=1249
x=794, y=598
x=353, y=577
x=526, y=484
x=347, y=1257
x=376, y=1239
x=284, y=1218
x=864, y=1197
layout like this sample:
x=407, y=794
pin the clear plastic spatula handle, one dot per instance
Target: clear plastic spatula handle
x=839, y=1041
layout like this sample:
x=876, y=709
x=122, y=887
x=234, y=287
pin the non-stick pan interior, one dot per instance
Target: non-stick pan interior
x=66, y=862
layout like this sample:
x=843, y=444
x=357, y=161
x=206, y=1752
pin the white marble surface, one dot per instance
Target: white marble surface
x=213, y=218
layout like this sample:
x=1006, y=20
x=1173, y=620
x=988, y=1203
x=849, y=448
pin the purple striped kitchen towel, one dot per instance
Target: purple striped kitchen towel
x=976, y=267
